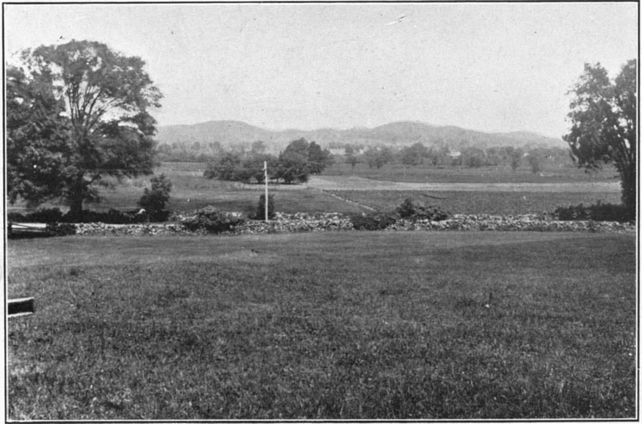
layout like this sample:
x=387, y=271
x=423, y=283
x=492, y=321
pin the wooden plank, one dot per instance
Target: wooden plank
x=27, y=227
x=20, y=307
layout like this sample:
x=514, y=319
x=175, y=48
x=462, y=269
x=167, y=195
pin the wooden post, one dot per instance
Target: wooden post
x=20, y=307
x=266, y=190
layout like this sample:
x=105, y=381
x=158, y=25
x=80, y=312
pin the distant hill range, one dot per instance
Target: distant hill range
x=400, y=133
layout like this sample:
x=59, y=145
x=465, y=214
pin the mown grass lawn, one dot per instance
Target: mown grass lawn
x=325, y=325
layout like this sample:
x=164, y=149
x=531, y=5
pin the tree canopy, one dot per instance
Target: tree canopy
x=294, y=164
x=77, y=112
x=604, y=121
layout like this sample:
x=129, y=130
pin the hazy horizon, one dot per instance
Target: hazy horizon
x=495, y=67
x=349, y=128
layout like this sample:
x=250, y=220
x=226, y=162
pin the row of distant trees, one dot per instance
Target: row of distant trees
x=440, y=155
x=246, y=157
x=196, y=151
x=296, y=163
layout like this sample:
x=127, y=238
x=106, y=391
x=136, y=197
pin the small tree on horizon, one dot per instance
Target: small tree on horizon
x=516, y=158
x=535, y=162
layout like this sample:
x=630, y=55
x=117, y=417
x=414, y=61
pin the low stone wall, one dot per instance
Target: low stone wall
x=511, y=223
x=285, y=223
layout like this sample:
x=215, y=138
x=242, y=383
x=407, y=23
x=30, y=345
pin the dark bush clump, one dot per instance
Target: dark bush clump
x=211, y=220
x=61, y=229
x=372, y=221
x=112, y=216
x=15, y=217
x=44, y=216
x=411, y=211
x=153, y=201
x=598, y=212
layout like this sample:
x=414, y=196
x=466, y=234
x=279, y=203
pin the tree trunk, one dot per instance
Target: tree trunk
x=75, y=197
x=629, y=189
x=75, y=206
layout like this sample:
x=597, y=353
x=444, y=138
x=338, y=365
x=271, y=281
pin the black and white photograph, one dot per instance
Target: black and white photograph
x=320, y=211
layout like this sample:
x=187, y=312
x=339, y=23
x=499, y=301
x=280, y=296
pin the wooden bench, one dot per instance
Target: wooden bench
x=20, y=307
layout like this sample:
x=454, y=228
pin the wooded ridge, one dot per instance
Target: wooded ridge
x=404, y=132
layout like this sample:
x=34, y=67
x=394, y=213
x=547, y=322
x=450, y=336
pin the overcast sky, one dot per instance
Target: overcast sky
x=492, y=67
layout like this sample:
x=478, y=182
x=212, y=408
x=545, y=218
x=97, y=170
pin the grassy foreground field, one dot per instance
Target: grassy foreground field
x=325, y=325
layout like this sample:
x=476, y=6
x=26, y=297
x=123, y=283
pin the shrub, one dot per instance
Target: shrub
x=154, y=201
x=61, y=229
x=211, y=220
x=598, y=212
x=372, y=221
x=406, y=209
x=112, y=216
x=40, y=215
x=409, y=210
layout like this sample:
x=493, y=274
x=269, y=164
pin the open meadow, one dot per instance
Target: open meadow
x=336, y=325
x=192, y=191
x=487, y=190
x=478, y=202
x=550, y=173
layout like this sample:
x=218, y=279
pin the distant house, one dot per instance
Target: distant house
x=454, y=154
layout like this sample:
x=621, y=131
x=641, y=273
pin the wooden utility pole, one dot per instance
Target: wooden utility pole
x=266, y=190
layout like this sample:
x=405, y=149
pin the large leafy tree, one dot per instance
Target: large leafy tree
x=77, y=112
x=413, y=155
x=604, y=121
x=318, y=158
x=378, y=156
x=293, y=162
x=233, y=166
x=36, y=135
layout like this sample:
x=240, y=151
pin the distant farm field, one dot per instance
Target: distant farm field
x=478, y=202
x=551, y=173
x=456, y=189
x=358, y=325
x=192, y=191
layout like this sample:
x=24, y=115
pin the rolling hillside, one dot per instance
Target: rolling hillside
x=235, y=132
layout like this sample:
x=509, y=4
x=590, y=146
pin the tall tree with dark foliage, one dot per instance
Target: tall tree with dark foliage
x=77, y=112
x=604, y=122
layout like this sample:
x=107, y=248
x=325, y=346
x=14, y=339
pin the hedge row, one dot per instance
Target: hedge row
x=112, y=216
x=291, y=223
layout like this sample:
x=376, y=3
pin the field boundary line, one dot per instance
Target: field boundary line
x=348, y=200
